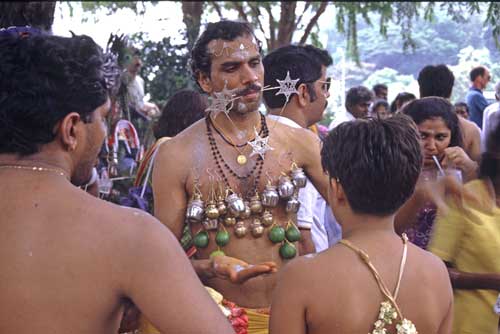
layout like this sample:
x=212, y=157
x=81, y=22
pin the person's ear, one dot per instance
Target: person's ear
x=68, y=130
x=205, y=82
x=337, y=191
x=302, y=95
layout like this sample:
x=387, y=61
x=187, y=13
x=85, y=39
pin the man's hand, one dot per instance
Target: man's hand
x=237, y=271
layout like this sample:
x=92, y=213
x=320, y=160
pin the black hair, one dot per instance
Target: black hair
x=201, y=61
x=378, y=88
x=476, y=72
x=436, y=80
x=490, y=159
x=183, y=109
x=462, y=104
x=356, y=95
x=378, y=103
x=291, y=59
x=321, y=55
x=435, y=107
x=376, y=161
x=401, y=99
x=42, y=79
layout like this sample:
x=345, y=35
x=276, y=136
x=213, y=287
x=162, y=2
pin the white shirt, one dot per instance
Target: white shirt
x=312, y=209
x=342, y=117
x=488, y=124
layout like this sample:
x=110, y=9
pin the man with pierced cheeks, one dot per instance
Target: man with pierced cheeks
x=227, y=58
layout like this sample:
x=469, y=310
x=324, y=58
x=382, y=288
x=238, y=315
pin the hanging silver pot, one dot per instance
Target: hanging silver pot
x=270, y=196
x=285, y=187
x=195, y=210
x=292, y=205
x=299, y=178
x=235, y=204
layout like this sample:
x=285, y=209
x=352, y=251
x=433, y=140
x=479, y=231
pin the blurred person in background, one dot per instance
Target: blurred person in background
x=462, y=110
x=400, y=100
x=480, y=77
x=489, y=115
x=380, y=109
x=357, y=105
x=380, y=91
x=467, y=238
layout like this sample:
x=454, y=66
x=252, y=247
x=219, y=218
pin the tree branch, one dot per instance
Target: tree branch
x=313, y=21
x=272, y=27
x=257, y=13
x=286, y=23
x=217, y=9
x=241, y=11
x=306, y=7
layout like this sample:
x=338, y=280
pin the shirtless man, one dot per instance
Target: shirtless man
x=226, y=58
x=343, y=295
x=71, y=263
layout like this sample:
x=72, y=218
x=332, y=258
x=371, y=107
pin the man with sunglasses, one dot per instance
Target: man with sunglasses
x=479, y=77
x=305, y=109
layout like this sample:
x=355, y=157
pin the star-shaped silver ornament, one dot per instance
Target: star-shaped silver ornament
x=287, y=86
x=222, y=101
x=259, y=145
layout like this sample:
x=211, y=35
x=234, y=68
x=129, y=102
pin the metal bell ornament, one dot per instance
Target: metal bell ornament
x=255, y=204
x=267, y=218
x=299, y=178
x=229, y=221
x=240, y=230
x=285, y=187
x=195, y=210
x=247, y=212
x=257, y=228
x=270, y=196
x=221, y=207
x=211, y=210
x=292, y=205
x=235, y=204
x=210, y=224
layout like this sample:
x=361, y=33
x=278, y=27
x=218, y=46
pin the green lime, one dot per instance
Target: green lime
x=292, y=234
x=276, y=234
x=222, y=238
x=288, y=251
x=217, y=253
x=201, y=239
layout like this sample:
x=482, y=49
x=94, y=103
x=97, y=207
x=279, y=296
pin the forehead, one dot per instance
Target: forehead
x=434, y=125
x=238, y=50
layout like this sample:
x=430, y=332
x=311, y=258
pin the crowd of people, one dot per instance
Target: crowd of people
x=238, y=221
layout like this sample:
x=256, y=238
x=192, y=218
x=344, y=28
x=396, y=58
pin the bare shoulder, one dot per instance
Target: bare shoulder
x=469, y=127
x=429, y=262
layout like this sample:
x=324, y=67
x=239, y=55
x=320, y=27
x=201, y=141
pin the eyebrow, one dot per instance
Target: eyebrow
x=236, y=63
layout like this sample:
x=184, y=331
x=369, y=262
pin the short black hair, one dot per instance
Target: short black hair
x=42, y=79
x=476, y=72
x=295, y=60
x=376, y=161
x=356, y=95
x=378, y=103
x=401, y=99
x=435, y=107
x=462, y=104
x=201, y=61
x=436, y=80
x=378, y=88
x=321, y=55
x=183, y=109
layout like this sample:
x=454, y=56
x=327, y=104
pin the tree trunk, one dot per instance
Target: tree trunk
x=286, y=24
x=192, y=12
x=38, y=14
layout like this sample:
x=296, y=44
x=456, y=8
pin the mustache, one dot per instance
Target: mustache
x=252, y=88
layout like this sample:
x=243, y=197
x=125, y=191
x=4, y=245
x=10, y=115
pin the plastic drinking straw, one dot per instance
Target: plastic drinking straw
x=438, y=165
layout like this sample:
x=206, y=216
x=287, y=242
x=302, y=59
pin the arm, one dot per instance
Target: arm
x=447, y=324
x=472, y=138
x=288, y=310
x=306, y=245
x=406, y=215
x=473, y=281
x=163, y=285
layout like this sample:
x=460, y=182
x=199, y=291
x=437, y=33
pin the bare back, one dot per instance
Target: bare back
x=70, y=262
x=343, y=296
x=188, y=156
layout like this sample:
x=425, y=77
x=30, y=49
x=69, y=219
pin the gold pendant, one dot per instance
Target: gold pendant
x=241, y=159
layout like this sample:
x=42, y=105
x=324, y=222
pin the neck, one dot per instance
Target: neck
x=292, y=113
x=477, y=85
x=36, y=160
x=358, y=225
x=238, y=125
